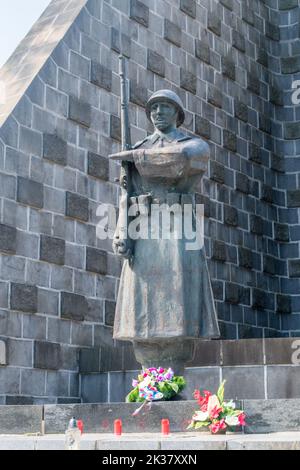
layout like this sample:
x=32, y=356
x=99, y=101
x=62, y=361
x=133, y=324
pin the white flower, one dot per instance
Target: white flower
x=213, y=402
x=200, y=416
x=232, y=420
x=230, y=404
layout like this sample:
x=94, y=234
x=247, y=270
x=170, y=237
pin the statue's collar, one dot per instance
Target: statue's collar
x=173, y=135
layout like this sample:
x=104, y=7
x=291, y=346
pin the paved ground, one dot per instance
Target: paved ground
x=144, y=441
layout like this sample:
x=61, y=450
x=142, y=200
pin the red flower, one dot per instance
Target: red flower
x=202, y=400
x=241, y=419
x=218, y=426
x=215, y=412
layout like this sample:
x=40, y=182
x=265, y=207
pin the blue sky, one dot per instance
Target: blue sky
x=16, y=19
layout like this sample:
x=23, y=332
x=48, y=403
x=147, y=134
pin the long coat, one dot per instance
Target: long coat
x=166, y=291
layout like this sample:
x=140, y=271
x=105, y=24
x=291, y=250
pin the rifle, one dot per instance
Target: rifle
x=125, y=177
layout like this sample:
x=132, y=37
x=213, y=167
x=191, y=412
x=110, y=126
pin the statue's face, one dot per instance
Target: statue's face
x=164, y=115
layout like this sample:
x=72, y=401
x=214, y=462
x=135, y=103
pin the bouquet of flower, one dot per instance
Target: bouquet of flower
x=155, y=384
x=215, y=413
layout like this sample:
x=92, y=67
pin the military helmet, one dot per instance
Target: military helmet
x=171, y=97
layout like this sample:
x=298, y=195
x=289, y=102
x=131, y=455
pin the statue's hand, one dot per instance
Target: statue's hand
x=122, y=247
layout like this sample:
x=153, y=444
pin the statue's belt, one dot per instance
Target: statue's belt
x=143, y=202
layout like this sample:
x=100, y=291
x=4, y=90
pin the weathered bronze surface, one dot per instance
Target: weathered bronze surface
x=165, y=299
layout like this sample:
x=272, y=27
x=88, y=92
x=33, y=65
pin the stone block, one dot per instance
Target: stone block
x=215, y=96
x=207, y=353
x=8, y=239
x=245, y=258
x=292, y=130
x=272, y=31
x=73, y=306
x=98, y=166
x=253, y=83
x=243, y=352
x=230, y=215
x=294, y=268
x=96, y=260
x=259, y=299
x=214, y=23
x=238, y=41
x=277, y=163
x=155, y=63
x=267, y=193
x=255, y=153
x=120, y=42
x=111, y=359
x=172, y=32
x=139, y=12
x=217, y=172
x=3, y=357
x=219, y=251
x=94, y=388
x=188, y=7
x=280, y=351
x=30, y=193
x=47, y=355
x=276, y=96
x=232, y=293
x=242, y=183
x=244, y=382
x=202, y=127
x=109, y=312
x=284, y=304
x=115, y=127
x=188, y=81
x=228, y=68
x=30, y=141
x=52, y=250
x=202, y=51
x=293, y=198
x=204, y=378
x=20, y=419
x=229, y=140
x=48, y=301
x=129, y=360
x=138, y=94
x=19, y=352
x=77, y=206
x=89, y=360
x=227, y=4
x=262, y=418
x=80, y=112
x=290, y=65
x=262, y=57
x=56, y=102
x=101, y=76
x=79, y=65
x=256, y=224
x=55, y=149
x=23, y=297
x=287, y=4
x=241, y=110
x=283, y=382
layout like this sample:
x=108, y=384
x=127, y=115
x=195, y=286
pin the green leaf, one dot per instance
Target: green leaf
x=201, y=424
x=221, y=391
x=174, y=386
x=191, y=426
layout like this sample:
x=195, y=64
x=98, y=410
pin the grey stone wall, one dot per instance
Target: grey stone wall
x=232, y=62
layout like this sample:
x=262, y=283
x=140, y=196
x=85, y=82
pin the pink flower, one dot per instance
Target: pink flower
x=218, y=426
x=215, y=412
x=160, y=370
x=145, y=375
x=241, y=419
x=135, y=383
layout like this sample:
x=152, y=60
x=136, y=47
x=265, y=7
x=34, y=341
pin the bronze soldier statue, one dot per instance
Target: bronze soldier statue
x=165, y=300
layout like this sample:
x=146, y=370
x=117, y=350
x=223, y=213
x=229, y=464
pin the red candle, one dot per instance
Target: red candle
x=118, y=427
x=80, y=425
x=165, y=427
